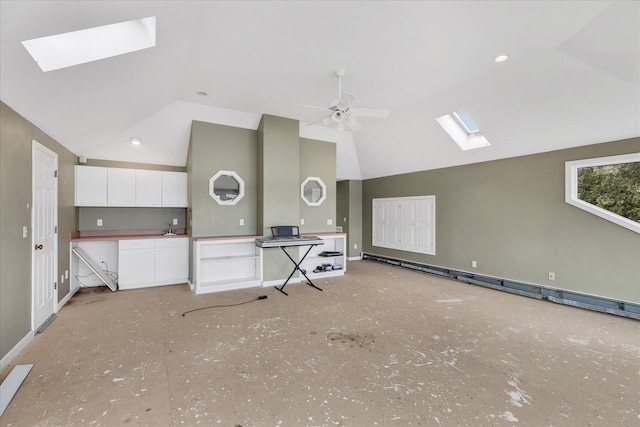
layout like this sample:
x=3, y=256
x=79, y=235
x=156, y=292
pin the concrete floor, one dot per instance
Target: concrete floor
x=381, y=346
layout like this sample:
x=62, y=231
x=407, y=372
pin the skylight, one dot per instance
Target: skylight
x=463, y=130
x=79, y=47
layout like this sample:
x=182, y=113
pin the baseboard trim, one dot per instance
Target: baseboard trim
x=531, y=290
x=67, y=298
x=8, y=358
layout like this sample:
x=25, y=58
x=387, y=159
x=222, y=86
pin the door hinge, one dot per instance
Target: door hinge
x=55, y=174
x=55, y=229
x=55, y=285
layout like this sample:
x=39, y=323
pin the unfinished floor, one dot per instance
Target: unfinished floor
x=381, y=346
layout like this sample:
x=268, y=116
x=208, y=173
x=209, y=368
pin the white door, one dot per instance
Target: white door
x=44, y=234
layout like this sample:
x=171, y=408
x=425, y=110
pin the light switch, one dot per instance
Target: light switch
x=175, y=221
x=25, y=232
x=301, y=221
x=99, y=223
x=329, y=222
x=241, y=221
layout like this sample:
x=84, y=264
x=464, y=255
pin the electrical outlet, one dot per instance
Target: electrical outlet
x=241, y=221
x=345, y=219
x=99, y=223
x=329, y=222
x=301, y=221
x=355, y=246
x=474, y=264
x=175, y=221
x=552, y=275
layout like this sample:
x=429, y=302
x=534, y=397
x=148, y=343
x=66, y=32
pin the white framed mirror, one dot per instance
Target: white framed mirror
x=313, y=191
x=226, y=187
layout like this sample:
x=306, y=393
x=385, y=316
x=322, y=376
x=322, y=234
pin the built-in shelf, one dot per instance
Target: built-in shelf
x=221, y=264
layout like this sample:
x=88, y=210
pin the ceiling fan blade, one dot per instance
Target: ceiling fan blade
x=378, y=113
x=345, y=100
x=313, y=106
x=352, y=124
x=323, y=120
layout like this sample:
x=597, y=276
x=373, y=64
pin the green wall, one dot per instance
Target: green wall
x=130, y=218
x=318, y=159
x=349, y=213
x=217, y=147
x=510, y=216
x=16, y=135
x=279, y=147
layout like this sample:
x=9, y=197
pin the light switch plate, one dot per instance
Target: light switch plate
x=175, y=221
x=25, y=232
x=329, y=222
x=99, y=222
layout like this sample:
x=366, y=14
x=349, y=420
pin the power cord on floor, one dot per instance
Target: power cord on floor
x=225, y=305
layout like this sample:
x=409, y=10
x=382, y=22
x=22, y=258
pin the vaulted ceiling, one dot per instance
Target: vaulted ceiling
x=572, y=77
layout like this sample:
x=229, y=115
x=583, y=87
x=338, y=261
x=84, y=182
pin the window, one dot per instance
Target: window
x=463, y=130
x=405, y=223
x=79, y=47
x=226, y=187
x=313, y=191
x=608, y=187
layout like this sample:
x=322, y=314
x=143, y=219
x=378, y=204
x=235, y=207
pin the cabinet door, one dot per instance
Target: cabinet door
x=91, y=186
x=121, y=187
x=174, y=189
x=136, y=263
x=148, y=188
x=172, y=260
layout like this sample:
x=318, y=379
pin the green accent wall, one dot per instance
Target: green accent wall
x=318, y=159
x=349, y=207
x=16, y=135
x=130, y=218
x=279, y=148
x=510, y=216
x=213, y=148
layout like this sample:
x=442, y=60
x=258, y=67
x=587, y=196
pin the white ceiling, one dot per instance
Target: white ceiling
x=572, y=78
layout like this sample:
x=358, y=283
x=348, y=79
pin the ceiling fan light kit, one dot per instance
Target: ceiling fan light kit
x=341, y=115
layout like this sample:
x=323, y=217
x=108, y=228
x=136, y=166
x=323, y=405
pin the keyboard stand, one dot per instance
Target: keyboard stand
x=297, y=266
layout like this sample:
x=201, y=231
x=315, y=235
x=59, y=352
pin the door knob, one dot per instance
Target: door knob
x=38, y=247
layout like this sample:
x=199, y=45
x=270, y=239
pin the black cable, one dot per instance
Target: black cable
x=225, y=305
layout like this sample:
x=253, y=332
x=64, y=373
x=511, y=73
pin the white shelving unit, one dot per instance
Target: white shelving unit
x=222, y=264
x=332, y=243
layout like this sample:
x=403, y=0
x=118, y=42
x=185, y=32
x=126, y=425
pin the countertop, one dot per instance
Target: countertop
x=157, y=233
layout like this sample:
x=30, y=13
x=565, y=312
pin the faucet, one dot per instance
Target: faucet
x=170, y=232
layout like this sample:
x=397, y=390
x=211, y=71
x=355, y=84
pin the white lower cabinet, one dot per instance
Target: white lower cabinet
x=152, y=262
x=172, y=260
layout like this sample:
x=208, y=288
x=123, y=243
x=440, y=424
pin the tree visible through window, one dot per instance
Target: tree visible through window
x=615, y=188
x=608, y=187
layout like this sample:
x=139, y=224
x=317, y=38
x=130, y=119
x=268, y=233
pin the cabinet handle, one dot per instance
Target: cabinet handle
x=38, y=247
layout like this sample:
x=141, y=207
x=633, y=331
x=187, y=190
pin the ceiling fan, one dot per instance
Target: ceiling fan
x=341, y=115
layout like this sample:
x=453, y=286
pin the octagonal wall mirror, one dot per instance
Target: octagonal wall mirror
x=313, y=191
x=226, y=187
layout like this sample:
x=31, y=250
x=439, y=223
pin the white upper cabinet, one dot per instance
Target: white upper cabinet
x=100, y=186
x=174, y=189
x=91, y=186
x=148, y=188
x=121, y=187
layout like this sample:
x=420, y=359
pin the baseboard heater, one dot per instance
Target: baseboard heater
x=85, y=258
x=575, y=299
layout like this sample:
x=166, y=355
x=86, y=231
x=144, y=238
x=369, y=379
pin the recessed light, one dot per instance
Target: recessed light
x=135, y=141
x=501, y=58
x=201, y=93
